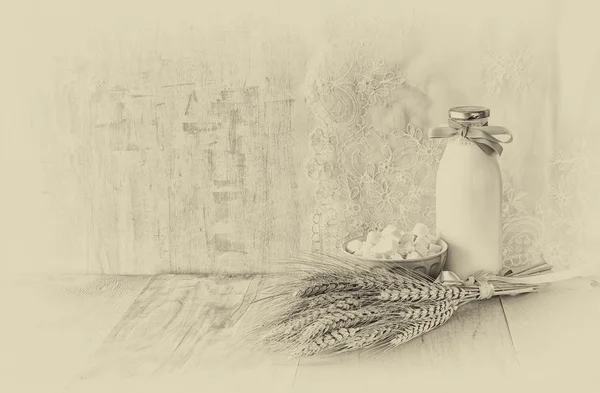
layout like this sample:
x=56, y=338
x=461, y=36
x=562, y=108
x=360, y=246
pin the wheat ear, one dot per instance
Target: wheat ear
x=418, y=329
x=345, y=340
x=330, y=322
x=290, y=325
x=432, y=293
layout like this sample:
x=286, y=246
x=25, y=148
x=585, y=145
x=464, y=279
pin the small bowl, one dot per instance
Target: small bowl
x=431, y=265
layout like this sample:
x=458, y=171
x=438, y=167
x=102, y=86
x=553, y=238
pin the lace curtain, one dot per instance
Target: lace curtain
x=375, y=87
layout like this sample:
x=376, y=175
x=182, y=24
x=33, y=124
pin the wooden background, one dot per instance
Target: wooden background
x=181, y=151
x=150, y=137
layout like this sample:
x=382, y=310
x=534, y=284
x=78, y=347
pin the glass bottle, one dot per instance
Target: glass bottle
x=469, y=192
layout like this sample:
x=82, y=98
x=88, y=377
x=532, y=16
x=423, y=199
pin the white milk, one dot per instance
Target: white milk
x=469, y=207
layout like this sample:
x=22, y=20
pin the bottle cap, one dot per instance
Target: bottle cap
x=469, y=113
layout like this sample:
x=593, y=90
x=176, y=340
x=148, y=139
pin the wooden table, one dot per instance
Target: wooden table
x=185, y=333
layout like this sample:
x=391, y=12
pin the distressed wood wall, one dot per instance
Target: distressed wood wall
x=181, y=151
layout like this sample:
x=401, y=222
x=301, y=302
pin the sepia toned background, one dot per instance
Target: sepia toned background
x=142, y=137
x=152, y=138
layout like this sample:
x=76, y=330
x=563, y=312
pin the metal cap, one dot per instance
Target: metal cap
x=469, y=112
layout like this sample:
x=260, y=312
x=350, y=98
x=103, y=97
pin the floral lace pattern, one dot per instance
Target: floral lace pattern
x=368, y=177
x=566, y=211
x=522, y=231
x=365, y=175
x=505, y=70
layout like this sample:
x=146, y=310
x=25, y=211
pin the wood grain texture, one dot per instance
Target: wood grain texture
x=187, y=332
x=52, y=324
x=555, y=333
x=474, y=344
x=184, y=331
x=179, y=152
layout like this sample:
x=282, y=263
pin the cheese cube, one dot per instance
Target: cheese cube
x=432, y=238
x=372, y=255
x=421, y=250
x=396, y=239
x=420, y=229
x=388, y=230
x=396, y=256
x=435, y=248
x=393, y=232
x=386, y=245
x=368, y=254
x=407, y=238
x=405, y=248
x=365, y=247
x=422, y=241
x=398, y=232
x=413, y=255
x=373, y=237
x=354, y=246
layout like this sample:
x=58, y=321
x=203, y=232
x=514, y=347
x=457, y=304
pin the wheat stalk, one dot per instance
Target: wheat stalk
x=427, y=311
x=345, y=340
x=415, y=294
x=330, y=322
x=423, y=327
x=347, y=282
x=342, y=301
x=340, y=306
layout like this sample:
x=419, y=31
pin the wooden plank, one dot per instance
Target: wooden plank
x=52, y=324
x=473, y=344
x=179, y=152
x=110, y=196
x=233, y=199
x=284, y=214
x=189, y=193
x=128, y=186
x=137, y=229
x=555, y=333
x=184, y=332
x=67, y=169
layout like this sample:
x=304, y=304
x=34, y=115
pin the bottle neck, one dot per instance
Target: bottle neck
x=459, y=139
x=471, y=123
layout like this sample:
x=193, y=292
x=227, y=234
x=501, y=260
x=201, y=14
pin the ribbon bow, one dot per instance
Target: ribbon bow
x=481, y=135
x=508, y=280
x=486, y=288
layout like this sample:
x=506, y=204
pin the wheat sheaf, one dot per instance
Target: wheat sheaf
x=335, y=305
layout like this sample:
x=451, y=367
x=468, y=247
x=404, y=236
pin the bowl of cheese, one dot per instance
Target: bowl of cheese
x=417, y=250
